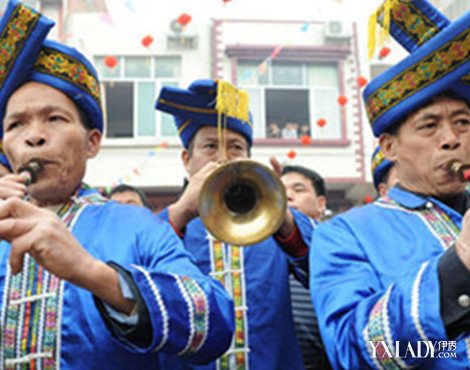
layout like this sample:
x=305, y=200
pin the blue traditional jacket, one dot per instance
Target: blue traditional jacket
x=374, y=280
x=48, y=323
x=257, y=277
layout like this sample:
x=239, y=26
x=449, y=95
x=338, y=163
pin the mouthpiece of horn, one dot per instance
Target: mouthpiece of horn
x=461, y=170
x=33, y=168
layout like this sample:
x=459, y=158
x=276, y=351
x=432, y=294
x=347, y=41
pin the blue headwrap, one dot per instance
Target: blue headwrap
x=207, y=103
x=379, y=166
x=439, y=61
x=26, y=56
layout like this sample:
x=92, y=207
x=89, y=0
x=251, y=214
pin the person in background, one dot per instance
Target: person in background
x=305, y=130
x=384, y=173
x=127, y=194
x=290, y=131
x=256, y=276
x=85, y=283
x=273, y=130
x=390, y=281
x=306, y=192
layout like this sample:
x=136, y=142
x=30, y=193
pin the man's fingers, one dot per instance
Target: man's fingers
x=19, y=247
x=277, y=167
x=12, y=193
x=12, y=228
x=17, y=208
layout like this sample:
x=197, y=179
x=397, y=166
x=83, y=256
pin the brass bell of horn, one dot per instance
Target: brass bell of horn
x=242, y=202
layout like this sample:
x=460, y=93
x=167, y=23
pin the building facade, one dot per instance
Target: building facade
x=301, y=76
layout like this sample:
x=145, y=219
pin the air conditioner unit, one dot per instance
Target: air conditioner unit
x=338, y=30
x=182, y=42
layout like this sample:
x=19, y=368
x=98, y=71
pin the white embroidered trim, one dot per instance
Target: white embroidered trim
x=365, y=332
x=161, y=306
x=26, y=359
x=190, y=306
x=415, y=303
x=33, y=298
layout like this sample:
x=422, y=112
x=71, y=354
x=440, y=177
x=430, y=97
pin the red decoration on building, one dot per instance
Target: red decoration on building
x=362, y=81
x=147, y=41
x=321, y=122
x=342, y=100
x=305, y=140
x=111, y=61
x=384, y=52
x=291, y=154
x=184, y=19
x=368, y=199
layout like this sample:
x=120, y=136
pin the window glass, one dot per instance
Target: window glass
x=286, y=111
x=167, y=67
x=119, y=103
x=146, y=125
x=106, y=72
x=137, y=67
x=287, y=74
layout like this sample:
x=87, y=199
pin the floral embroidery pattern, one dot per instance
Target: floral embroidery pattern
x=423, y=73
x=57, y=64
x=13, y=38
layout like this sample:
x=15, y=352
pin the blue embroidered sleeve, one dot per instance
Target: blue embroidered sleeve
x=300, y=266
x=191, y=314
x=359, y=310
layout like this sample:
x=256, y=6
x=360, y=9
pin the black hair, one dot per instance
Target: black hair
x=317, y=181
x=124, y=187
x=84, y=119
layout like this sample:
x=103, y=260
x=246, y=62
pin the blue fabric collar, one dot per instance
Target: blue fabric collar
x=408, y=199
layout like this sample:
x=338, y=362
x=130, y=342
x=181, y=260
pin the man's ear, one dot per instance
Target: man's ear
x=322, y=204
x=94, y=141
x=382, y=189
x=388, y=146
x=186, y=158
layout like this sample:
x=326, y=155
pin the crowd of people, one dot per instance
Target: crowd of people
x=94, y=283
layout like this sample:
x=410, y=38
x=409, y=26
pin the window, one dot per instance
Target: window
x=288, y=98
x=130, y=92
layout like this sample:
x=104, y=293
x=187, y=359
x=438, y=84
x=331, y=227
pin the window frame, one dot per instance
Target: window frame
x=305, y=55
x=158, y=82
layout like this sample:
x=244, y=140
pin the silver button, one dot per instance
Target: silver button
x=464, y=301
x=429, y=205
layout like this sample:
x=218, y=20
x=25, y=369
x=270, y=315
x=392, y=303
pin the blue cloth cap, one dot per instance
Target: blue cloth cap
x=440, y=64
x=379, y=166
x=66, y=69
x=195, y=107
x=22, y=32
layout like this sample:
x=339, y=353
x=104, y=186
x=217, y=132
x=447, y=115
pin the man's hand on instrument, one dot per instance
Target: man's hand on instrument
x=39, y=232
x=186, y=208
x=13, y=186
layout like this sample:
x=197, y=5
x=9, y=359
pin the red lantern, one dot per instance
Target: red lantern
x=291, y=154
x=111, y=61
x=342, y=100
x=361, y=81
x=368, y=199
x=321, y=122
x=384, y=52
x=184, y=19
x=305, y=140
x=147, y=41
